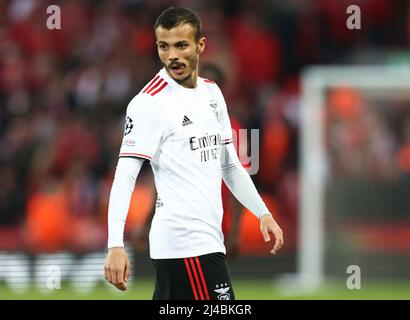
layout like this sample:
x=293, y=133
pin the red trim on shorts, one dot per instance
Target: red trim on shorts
x=197, y=279
x=159, y=89
x=190, y=278
x=201, y=274
x=151, y=83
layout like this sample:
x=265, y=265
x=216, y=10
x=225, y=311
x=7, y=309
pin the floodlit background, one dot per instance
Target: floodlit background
x=63, y=96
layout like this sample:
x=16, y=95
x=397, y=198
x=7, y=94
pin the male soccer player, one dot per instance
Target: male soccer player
x=179, y=122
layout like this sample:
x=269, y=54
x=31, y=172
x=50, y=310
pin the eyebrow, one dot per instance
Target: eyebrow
x=176, y=43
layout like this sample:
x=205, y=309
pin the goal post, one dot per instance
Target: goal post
x=313, y=158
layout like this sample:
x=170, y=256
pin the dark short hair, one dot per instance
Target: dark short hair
x=175, y=16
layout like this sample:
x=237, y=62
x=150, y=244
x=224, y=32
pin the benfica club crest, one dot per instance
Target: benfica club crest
x=223, y=292
x=217, y=111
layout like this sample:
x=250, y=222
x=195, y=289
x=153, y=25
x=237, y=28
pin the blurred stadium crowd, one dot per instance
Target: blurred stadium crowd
x=63, y=96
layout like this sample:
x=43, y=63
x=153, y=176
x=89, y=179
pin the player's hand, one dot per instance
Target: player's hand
x=268, y=224
x=117, y=268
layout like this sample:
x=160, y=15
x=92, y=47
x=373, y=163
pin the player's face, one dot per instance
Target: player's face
x=179, y=52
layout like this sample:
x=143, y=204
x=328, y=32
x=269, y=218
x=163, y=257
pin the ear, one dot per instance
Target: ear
x=201, y=45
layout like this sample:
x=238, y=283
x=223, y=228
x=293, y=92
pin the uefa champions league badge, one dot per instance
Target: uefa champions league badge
x=129, y=124
x=217, y=112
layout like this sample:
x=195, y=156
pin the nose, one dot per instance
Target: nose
x=172, y=54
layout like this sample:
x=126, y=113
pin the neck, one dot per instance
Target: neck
x=189, y=82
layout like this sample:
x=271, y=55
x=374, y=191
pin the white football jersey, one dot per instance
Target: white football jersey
x=181, y=131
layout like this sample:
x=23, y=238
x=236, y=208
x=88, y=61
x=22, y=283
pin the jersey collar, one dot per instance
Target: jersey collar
x=164, y=74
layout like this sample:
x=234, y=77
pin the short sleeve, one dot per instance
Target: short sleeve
x=143, y=129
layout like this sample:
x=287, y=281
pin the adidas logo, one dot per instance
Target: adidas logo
x=186, y=121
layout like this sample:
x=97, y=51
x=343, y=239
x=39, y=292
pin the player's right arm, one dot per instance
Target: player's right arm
x=117, y=266
x=142, y=134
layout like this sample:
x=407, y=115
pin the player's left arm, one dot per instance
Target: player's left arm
x=241, y=185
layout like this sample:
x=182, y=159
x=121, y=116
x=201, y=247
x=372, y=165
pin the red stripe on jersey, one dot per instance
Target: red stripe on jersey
x=151, y=83
x=136, y=155
x=209, y=81
x=159, y=89
x=196, y=279
x=201, y=274
x=160, y=80
x=190, y=278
